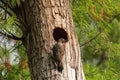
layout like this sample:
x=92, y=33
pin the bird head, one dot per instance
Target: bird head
x=62, y=40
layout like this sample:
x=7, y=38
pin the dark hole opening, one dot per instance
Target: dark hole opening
x=60, y=33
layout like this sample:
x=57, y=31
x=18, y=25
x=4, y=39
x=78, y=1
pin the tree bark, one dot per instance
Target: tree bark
x=47, y=21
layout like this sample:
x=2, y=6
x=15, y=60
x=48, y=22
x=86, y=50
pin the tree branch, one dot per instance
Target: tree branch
x=10, y=36
x=90, y=40
x=11, y=50
x=6, y=3
x=10, y=12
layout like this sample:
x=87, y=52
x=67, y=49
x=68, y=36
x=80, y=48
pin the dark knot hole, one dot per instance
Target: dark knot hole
x=60, y=33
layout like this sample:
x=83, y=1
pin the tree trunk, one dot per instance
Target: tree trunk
x=47, y=21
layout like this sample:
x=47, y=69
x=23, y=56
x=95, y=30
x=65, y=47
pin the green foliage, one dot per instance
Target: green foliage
x=16, y=74
x=103, y=72
x=14, y=3
x=98, y=28
x=13, y=71
x=115, y=31
x=10, y=25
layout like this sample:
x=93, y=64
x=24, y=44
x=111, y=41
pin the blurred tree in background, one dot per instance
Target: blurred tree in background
x=97, y=26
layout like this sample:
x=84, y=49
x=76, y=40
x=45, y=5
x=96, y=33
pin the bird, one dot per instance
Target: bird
x=58, y=52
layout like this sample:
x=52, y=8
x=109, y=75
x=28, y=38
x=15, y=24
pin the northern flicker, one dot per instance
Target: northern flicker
x=58, y=52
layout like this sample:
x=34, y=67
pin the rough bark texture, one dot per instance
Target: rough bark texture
x=43, y=16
